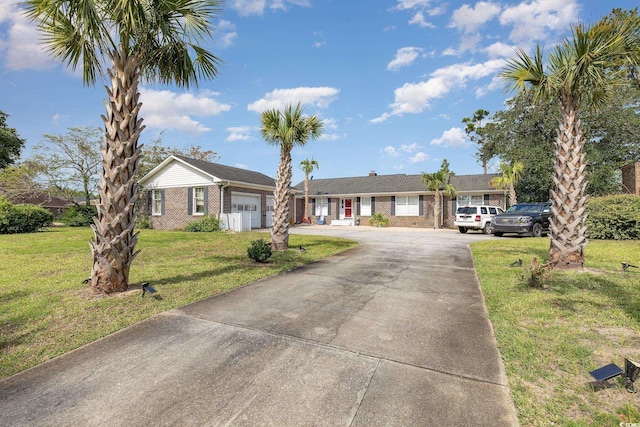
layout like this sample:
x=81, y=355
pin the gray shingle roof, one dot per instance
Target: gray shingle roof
x=391, y=184
x=229, y=173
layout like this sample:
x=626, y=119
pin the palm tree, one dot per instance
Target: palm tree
x=511, y=174
x=579, y=74
x=437, y=182
x=152, y=39
x=286, y=129
x=307, y=166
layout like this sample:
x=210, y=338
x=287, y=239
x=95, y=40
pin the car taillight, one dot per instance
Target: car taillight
x=477, y=218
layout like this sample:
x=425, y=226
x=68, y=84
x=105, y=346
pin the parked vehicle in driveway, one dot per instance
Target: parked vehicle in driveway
x=476, y=218
x=525, y=219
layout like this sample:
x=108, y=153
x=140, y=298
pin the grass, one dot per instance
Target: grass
x=45, y=310
x=551, y=338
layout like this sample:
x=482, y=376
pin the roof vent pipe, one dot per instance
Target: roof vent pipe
x=373, y=173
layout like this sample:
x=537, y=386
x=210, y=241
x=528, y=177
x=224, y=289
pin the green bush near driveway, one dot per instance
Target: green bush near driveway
x=614, y=217
x=22, y=218
x=45, y=310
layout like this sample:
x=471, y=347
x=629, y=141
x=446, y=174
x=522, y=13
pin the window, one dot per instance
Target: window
x=365, y=206
x=470, y=200
x=156, y=202
x=407, y=206
x=322, y=207
x=198, y=200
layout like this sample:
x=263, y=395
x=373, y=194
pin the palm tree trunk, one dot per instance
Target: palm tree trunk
x=512, y=194
x=568, y=229
x=280, y=227
x=436, y=210
x=115, y=240
x=306, y=197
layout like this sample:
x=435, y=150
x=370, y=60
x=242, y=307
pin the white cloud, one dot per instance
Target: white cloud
x=23, y=50
x=329, y=137
x=390, y=151
x=257, y=7
x=536, y=19
x=164, y=109
x=405, y=56
x=454, y=137
x=239, y=133
x=419, y=157
x=468, y=19
x=57, y=118
x=500, y=50
x=225, y=33
x=319, y=97
x=410, y=148
x=398, y=167
x=414, y=98
x=241, y=165
x=419, y=20
x=410, y=4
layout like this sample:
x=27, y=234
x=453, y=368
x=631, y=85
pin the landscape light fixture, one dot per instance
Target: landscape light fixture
x=631, y=372
x=147, y=288
x=606, y=372
x=626, y=265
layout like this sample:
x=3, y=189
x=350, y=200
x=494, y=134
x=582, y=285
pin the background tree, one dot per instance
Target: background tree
x=286, y=129
x=307, y=165
x=579, y=74
x=439, y=182
x=21, y=181
x=474, y=130
x=510, y=175
x=71, y=162
x=10, y=143
x=153, y=154
x=159, y=42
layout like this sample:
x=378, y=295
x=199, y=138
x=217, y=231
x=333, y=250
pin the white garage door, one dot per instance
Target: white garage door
x=270, y=207
x=247, y=204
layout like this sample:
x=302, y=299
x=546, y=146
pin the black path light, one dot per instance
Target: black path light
x=626, y=266
x=631, y=372
x=147, y=288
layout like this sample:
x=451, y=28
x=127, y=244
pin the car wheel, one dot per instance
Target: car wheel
x=487, y=228
x=497, y=233
x=536, y=230
x=462, y=230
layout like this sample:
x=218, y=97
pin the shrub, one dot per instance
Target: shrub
x=379, y=220
x=259, y=250
x=22, y=218
x=79, y=215
x=614, y=217
x=143, y=222
x=207, y=223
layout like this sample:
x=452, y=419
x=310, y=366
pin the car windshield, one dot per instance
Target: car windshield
x=524, y=208
x=467, y=210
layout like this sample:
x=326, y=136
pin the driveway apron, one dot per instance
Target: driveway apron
x=392, y=333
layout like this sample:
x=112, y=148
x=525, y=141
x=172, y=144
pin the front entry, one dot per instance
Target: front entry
x=346, y=208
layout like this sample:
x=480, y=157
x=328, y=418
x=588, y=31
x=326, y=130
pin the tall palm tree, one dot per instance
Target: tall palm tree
x=579, y=74
x=510, y=175
x=437, y=182
x=286, y=129
x=307, y=165
x=152, y=39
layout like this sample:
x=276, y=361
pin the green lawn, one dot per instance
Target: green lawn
x=45, y=310
x=551, y=338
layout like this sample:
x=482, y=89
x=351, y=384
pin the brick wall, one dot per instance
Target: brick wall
x=176, y=203
x=631, y=178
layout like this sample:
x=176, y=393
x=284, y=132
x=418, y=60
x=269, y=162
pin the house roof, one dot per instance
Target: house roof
x=229, y=173
x=43, y=200
x=393, y=184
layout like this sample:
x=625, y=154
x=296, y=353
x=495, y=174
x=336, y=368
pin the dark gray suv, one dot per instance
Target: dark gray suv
x=525, y=219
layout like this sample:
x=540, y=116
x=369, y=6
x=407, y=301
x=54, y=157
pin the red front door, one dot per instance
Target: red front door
x=347, y=208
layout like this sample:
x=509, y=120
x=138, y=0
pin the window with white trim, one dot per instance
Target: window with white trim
x=322, y=207
x=407, y=206
x=198, y=200
x=156, y=202
x=469, y=200
x=365, y=206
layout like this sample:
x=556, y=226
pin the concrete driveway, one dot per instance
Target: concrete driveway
x=391, y=333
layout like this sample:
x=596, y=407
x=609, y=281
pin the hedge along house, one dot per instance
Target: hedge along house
x=404, y=199
x=180, y=190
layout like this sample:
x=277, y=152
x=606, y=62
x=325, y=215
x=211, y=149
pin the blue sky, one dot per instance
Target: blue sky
x=392, y=80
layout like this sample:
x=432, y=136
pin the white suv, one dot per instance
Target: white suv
x=476, y=218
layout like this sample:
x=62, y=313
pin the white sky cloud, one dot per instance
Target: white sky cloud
x=225, y=33
x=390, y=151
x=419, y=20
x=239, y=133
x=469, y=19
x=410, y=148
x=257, y=7
x=414, y=98
x=319, y=97
x=500, y=50
x=164, y=109
x=454, y=137
x=419, y=157
x=405, y=56
x=534, y=19
x=22, y=50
